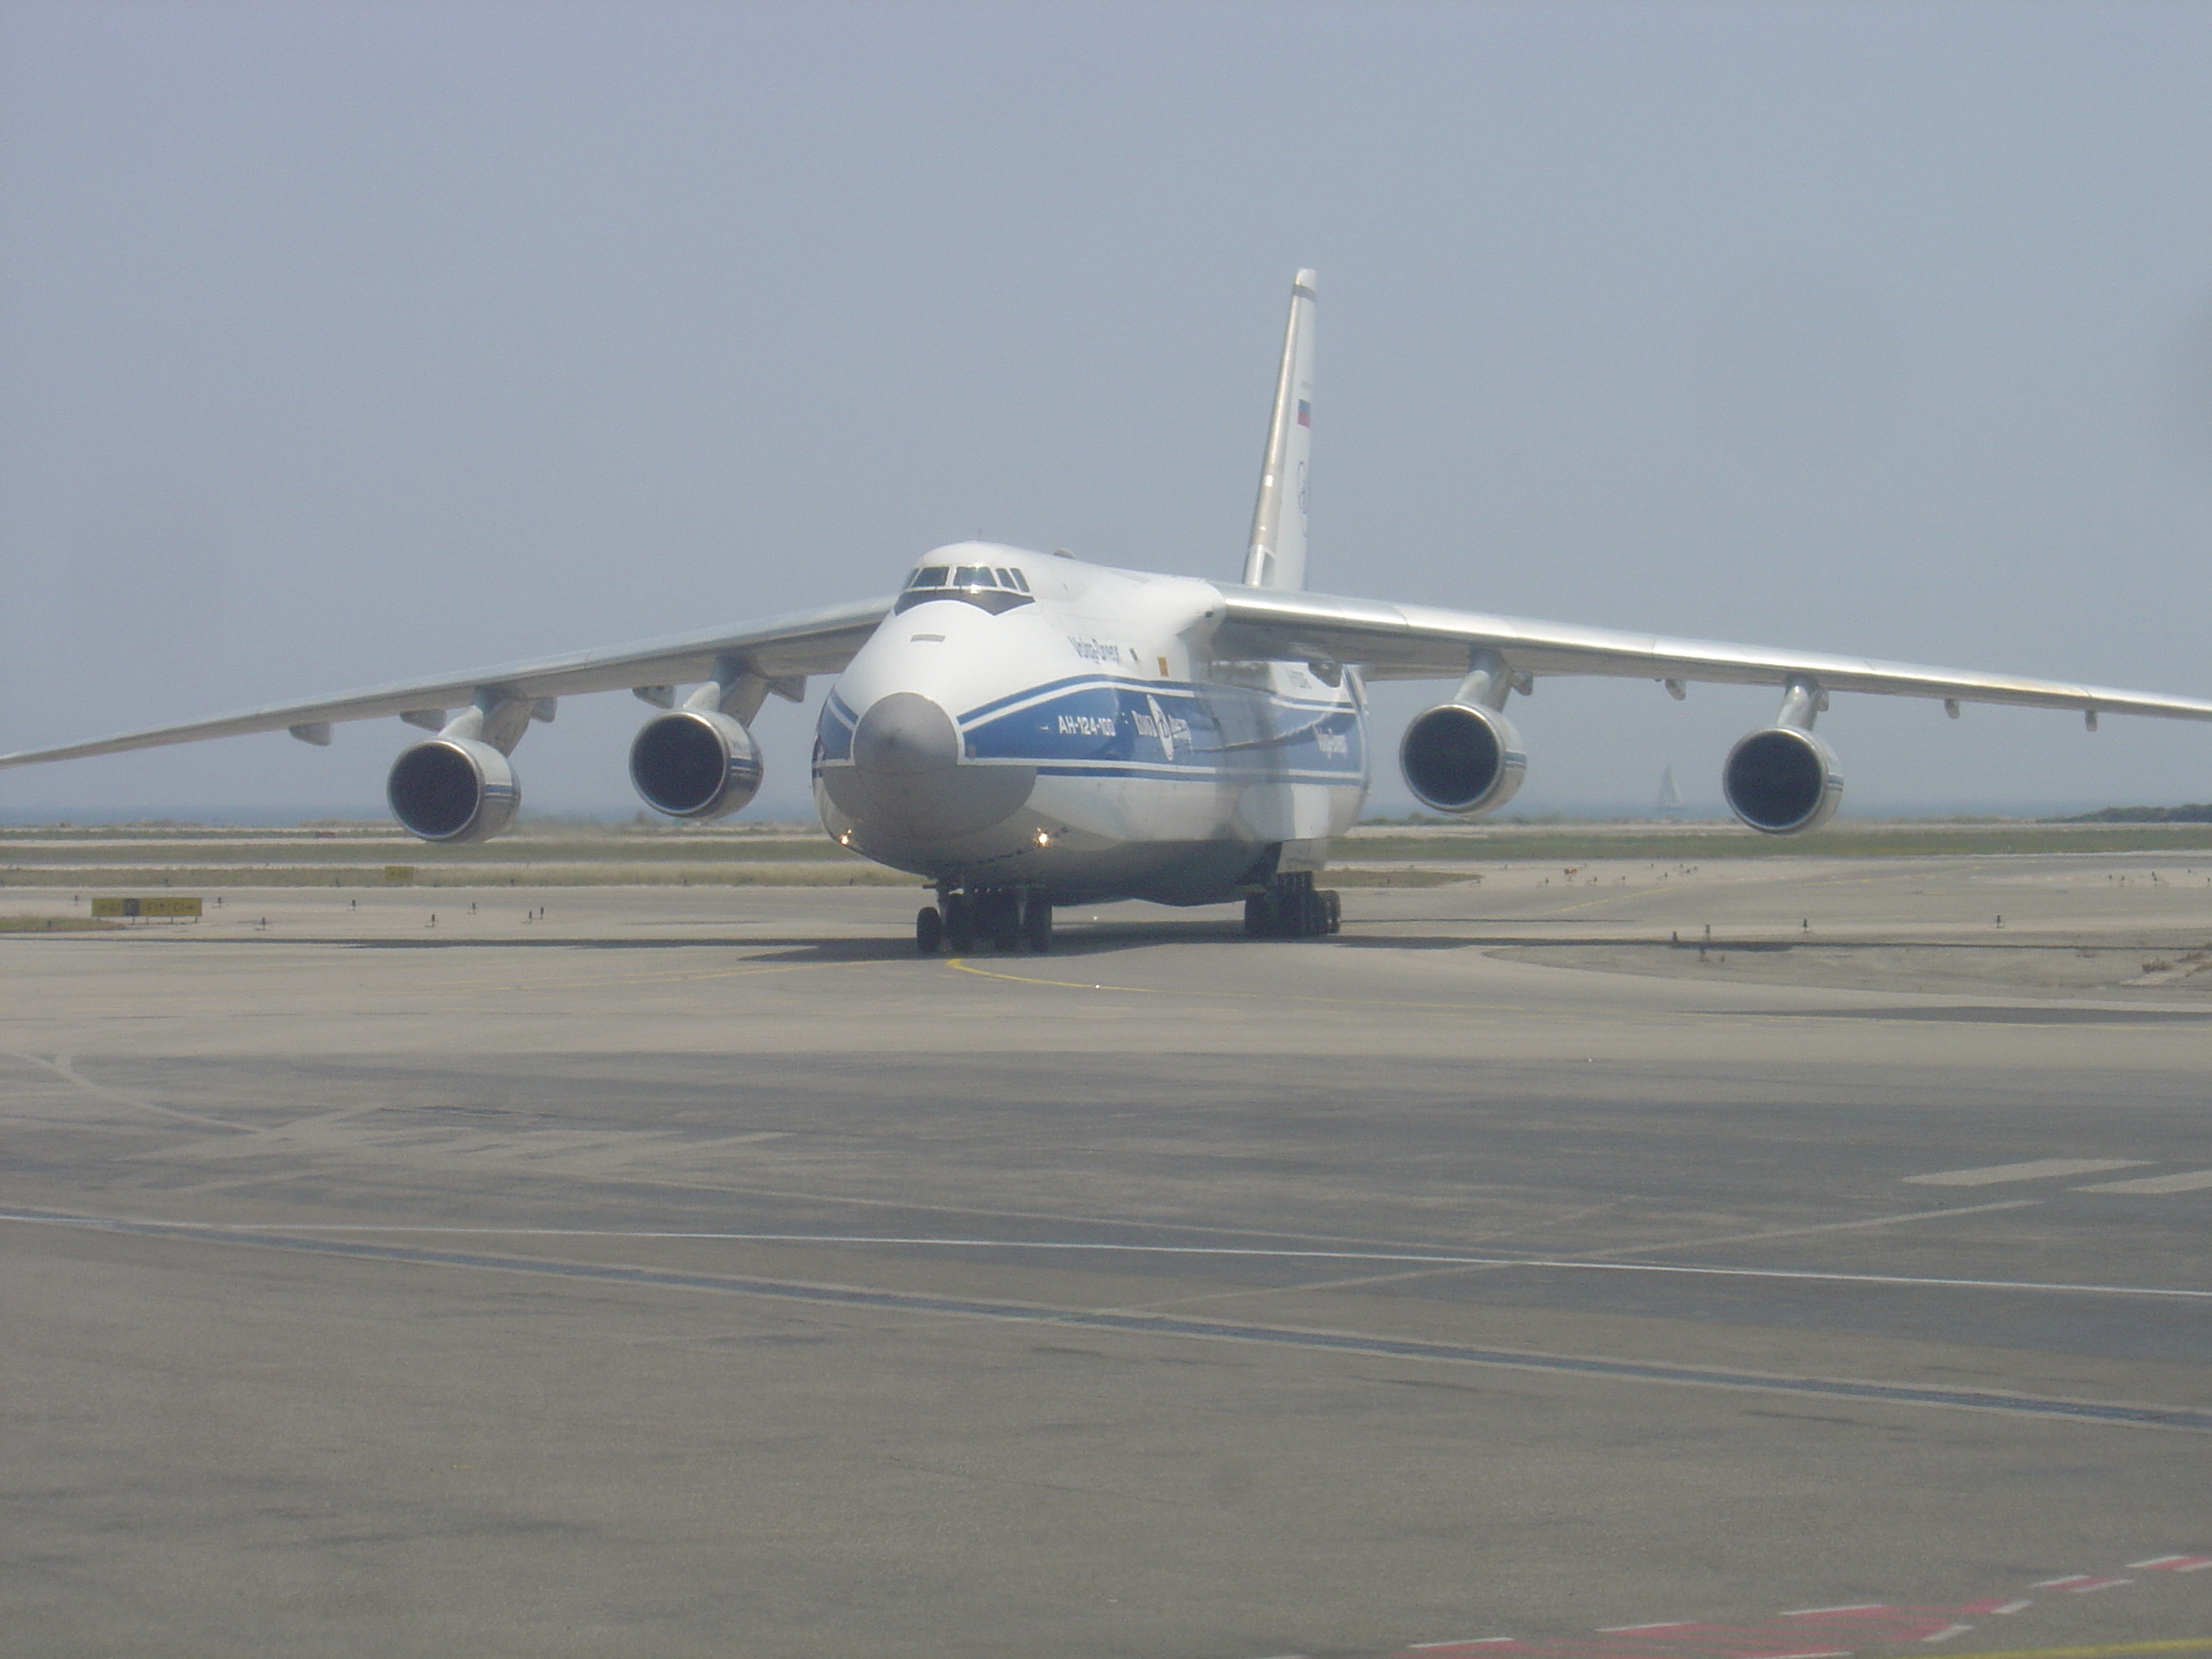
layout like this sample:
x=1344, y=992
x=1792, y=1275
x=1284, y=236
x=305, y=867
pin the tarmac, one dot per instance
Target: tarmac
x=1519, y=1272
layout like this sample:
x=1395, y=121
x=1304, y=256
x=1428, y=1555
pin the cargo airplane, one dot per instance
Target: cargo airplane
x=1024, y=730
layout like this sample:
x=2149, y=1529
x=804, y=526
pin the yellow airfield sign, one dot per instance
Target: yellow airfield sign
x=169, y=906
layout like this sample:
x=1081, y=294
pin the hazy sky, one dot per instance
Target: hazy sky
x=340, y=343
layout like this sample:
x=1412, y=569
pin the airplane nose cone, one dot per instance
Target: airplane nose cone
x=908, y=781
x=905, y=735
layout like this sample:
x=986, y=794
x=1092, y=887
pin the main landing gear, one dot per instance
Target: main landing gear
x=1005, y=918
x=1291, y=906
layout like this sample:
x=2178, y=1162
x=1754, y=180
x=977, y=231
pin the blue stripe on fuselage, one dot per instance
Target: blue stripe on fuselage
x=833, y=731
x=1181, y=689
x=1169, y=729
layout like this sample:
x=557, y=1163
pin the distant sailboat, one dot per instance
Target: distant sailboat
x=1670, y=798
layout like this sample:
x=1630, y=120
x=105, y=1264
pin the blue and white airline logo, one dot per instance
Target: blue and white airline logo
x=1164, y=726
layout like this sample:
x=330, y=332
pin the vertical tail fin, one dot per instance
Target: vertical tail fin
x=1277, y=555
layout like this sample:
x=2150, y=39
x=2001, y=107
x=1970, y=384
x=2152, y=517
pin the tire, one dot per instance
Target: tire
x=1333, y=906
x=929, y=930
x=1037, y=923
x=959, y=924
x=1257, y=918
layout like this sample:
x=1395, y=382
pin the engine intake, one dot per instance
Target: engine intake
x=1461, y=758
x=694, y=763
x=453, y=789
x=1782, y=780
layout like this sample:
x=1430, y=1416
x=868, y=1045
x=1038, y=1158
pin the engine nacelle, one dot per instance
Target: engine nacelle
x=694, y=763
x=1461, y=758
x=453, y=789
x=1782, y=780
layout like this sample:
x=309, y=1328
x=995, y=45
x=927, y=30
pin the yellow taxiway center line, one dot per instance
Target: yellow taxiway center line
x=961, y=964
x=1569, y=910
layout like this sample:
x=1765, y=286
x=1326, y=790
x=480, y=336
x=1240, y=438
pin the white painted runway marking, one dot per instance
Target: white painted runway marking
x=1826, y=1227
x=2041, y=1168
x=1362, y=1280
x=1470, y=1642
x=866, y=1240
x=1853, y=1606
x=65, y=1067
x=1143, y=1324
x=2193, y=1181
x=2081, y=1582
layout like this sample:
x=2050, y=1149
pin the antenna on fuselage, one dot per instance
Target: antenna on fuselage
x=1276, y=555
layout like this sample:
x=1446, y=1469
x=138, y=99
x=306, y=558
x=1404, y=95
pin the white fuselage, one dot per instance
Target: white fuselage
x=1030, y=720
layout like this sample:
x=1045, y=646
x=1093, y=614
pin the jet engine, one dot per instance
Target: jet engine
x=1461, y=758
x=453, y=789
x=694, y=763
x=1782, y=780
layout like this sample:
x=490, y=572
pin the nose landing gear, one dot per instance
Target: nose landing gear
x=1291, y=906
x=1006, y=918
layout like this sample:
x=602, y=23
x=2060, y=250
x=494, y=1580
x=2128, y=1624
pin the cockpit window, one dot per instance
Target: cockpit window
x=985, y=586
x=994, y=599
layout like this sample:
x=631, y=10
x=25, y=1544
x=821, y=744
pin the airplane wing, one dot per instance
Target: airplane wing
x=1414, y=642
x=780, y=648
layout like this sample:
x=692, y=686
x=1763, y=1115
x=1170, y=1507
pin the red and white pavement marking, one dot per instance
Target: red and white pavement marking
x=1807, y=1633
x=2080, y=1581
x=1812, y=1633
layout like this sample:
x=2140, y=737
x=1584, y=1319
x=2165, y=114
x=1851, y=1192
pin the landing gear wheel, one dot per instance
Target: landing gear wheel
x=929, y=930
x=959, y=924
x=1333, y=908
x=1291, y=906
x=1037, y=923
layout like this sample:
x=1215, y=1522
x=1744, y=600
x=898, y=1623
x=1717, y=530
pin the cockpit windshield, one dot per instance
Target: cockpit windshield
x=989, y=587
x=968, y=576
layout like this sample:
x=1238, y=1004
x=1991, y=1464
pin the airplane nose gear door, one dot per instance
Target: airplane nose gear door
x=1036, y=920
x=999, y=913
x=959, y=924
